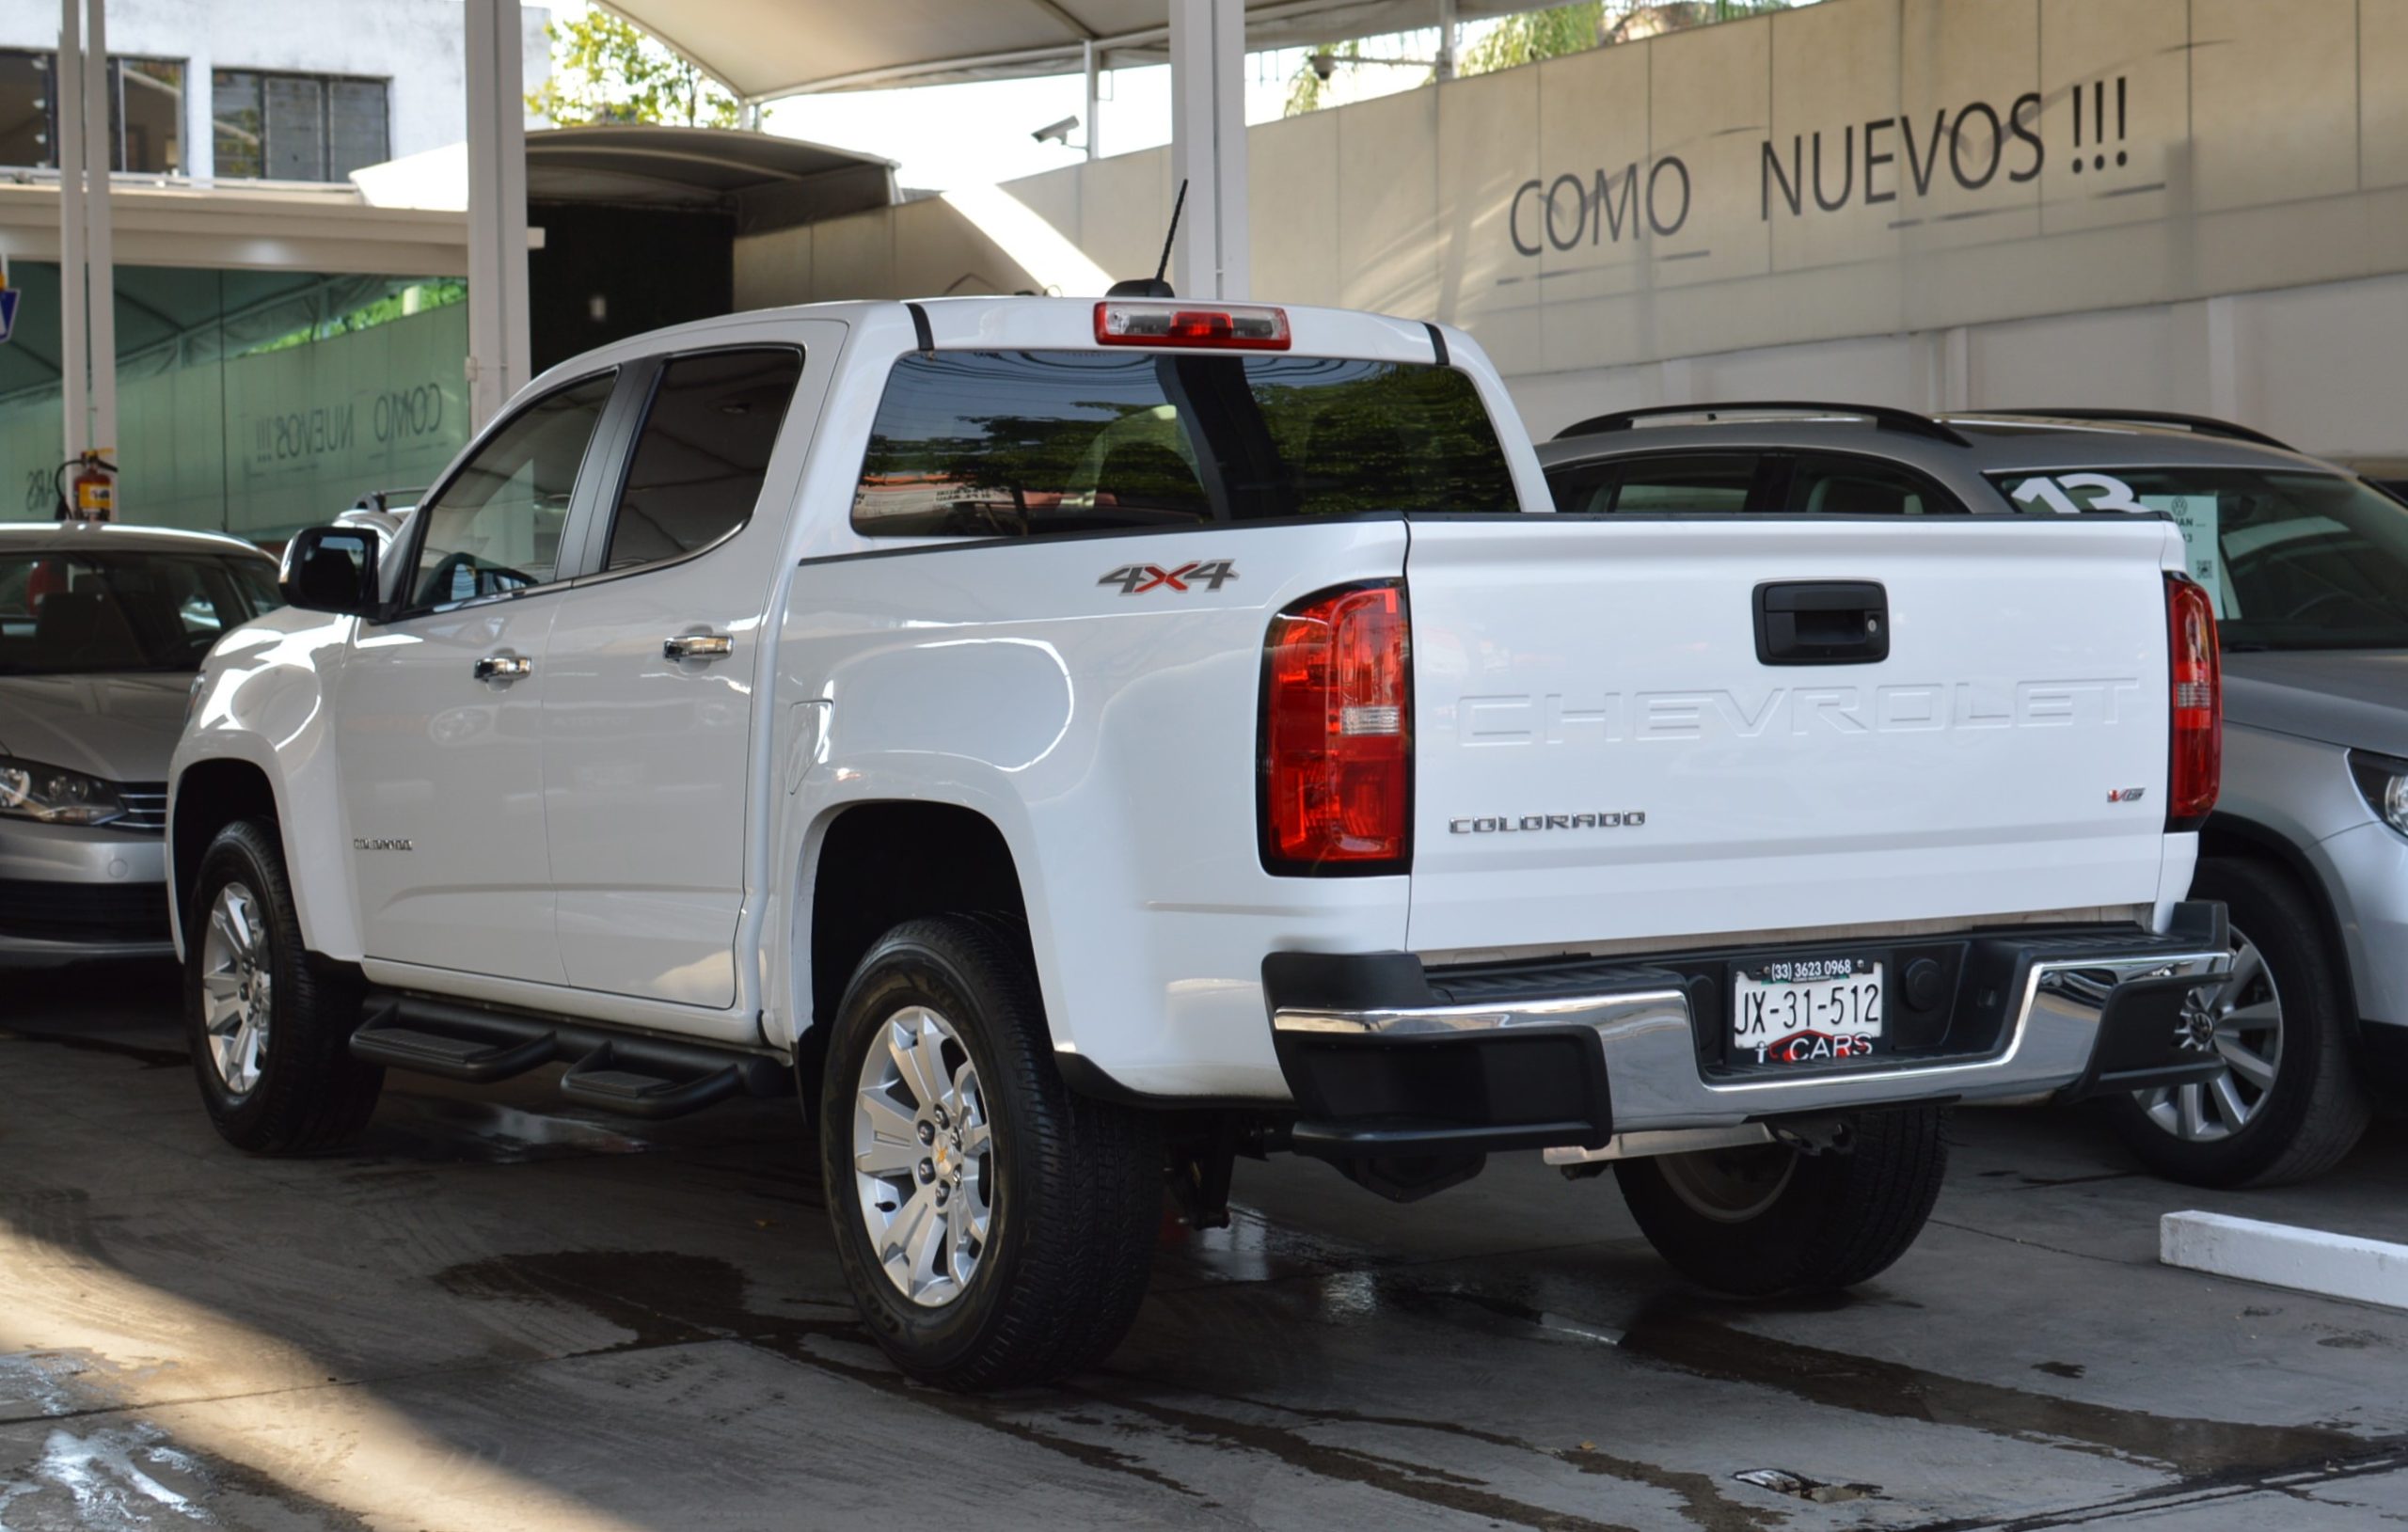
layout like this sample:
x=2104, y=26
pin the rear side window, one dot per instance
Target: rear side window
x=1843, y=487
x=704, y=450
x=1017, y=444
x=1701, y=482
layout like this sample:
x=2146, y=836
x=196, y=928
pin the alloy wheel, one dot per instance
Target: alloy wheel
x=237, y=987
x=2247, y=1012
x=924, y=1164
x=1729, y=1185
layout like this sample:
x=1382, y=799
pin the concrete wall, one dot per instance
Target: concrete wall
x=415, y=44
x=2221, y=184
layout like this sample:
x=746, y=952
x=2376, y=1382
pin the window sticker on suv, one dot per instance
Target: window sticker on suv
x=2071, y=494
x=2294, y=558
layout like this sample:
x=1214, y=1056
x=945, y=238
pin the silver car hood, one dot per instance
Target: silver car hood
x=2354, y=698
x=119, y=728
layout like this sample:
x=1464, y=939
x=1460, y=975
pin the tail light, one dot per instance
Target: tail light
x=1226, y=326
x=1337, y=739
x=2197, y=770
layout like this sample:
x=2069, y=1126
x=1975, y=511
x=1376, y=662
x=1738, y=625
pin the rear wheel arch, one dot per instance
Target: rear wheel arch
x=875, y=865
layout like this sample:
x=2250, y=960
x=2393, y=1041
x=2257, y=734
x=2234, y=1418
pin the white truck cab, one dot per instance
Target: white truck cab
x=1077, y=743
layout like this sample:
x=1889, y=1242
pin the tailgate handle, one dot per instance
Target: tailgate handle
x=1822, y=622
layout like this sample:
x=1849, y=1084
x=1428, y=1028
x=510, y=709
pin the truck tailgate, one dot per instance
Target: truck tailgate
x=1601, y=753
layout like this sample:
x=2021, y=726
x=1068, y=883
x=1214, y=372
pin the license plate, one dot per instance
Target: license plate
x=1806, y=1010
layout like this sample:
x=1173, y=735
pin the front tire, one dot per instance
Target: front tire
x=1769, y=1219
x=996, y=1229
x=2289, y=1103
x=270, y=1033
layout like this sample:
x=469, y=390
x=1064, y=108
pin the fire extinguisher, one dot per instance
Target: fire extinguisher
x=93, y=492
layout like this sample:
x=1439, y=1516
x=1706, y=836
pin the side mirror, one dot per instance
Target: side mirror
x=331, y=569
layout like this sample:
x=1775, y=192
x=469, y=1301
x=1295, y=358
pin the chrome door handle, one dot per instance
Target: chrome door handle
x=504, y=668
x=697, y=646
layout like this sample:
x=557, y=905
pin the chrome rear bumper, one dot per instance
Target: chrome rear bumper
x=2080, y=1014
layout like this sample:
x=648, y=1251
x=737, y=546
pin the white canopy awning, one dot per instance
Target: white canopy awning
x=765, y=48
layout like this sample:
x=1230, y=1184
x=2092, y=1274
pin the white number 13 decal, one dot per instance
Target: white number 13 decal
x=2106, y=493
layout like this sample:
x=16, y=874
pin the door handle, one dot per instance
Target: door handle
x=697, y=646
x=1822, y=622
x=504, y=668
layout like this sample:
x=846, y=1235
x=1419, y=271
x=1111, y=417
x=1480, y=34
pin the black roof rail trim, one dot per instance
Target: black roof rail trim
x=1882, y=416
x=2202, y=426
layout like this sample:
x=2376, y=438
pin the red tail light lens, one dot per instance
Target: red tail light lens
x=1336, y=734
x=2197, y=772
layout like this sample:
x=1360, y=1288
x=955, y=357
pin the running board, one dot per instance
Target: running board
x=636, y=1076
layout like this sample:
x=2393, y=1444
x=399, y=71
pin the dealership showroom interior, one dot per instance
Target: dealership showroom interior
x=1639, y=766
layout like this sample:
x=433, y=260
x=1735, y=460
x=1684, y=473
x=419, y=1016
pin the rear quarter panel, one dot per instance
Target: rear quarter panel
x=1113, y=741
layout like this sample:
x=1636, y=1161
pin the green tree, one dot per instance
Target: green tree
x=607, y=70
x=1530, y=36
x=1307, y=91
x=1527, y=37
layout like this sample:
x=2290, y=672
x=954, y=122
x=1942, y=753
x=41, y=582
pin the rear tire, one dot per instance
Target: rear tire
x=2315, y=1108
x=271, y=1031
x=1766, y=1220
x=996, y=1229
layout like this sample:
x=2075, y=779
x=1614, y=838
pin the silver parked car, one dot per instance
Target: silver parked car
x=102, y=628
x=2308, y=564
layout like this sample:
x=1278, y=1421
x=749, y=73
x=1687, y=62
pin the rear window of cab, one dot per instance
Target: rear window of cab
x=1030, y=443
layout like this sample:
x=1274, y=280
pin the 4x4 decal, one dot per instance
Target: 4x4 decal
x=1136, y=580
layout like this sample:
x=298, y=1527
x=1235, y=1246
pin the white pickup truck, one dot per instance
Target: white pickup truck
x=1077, y=744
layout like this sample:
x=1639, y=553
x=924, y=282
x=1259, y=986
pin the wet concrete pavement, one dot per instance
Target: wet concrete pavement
x=499, y=1313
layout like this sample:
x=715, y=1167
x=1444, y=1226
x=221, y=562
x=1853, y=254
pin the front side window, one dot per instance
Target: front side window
x=82, y=613
x=296, y=127
x=703, y=452
x=496, y=526
x=1022, y=443
x=2294, y=561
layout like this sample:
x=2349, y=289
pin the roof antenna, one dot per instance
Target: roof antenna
x=1155, y=286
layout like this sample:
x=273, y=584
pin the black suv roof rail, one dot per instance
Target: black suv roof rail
x=1882, y=416
x=2198, y=425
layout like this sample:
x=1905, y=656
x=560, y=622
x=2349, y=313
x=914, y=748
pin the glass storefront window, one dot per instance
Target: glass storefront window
x=250, y=402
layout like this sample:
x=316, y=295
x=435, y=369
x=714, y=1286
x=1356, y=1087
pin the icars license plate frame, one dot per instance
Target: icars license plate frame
x=1819, y=1010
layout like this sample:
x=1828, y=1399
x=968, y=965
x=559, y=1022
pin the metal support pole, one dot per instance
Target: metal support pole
x=498, y=345
x=1448, y=29
x=1207, y=144
x=68, y=78
x=99, y=249
x=1087, y=61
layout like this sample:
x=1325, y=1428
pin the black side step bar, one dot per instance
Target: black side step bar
x=638, y=1075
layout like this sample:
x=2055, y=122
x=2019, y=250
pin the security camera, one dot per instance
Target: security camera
x=1057, y=132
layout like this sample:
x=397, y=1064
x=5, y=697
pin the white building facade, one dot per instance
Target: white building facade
x=281, y=345
x=2191, y=205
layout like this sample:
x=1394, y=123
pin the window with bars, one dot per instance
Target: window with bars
x=297, y=127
